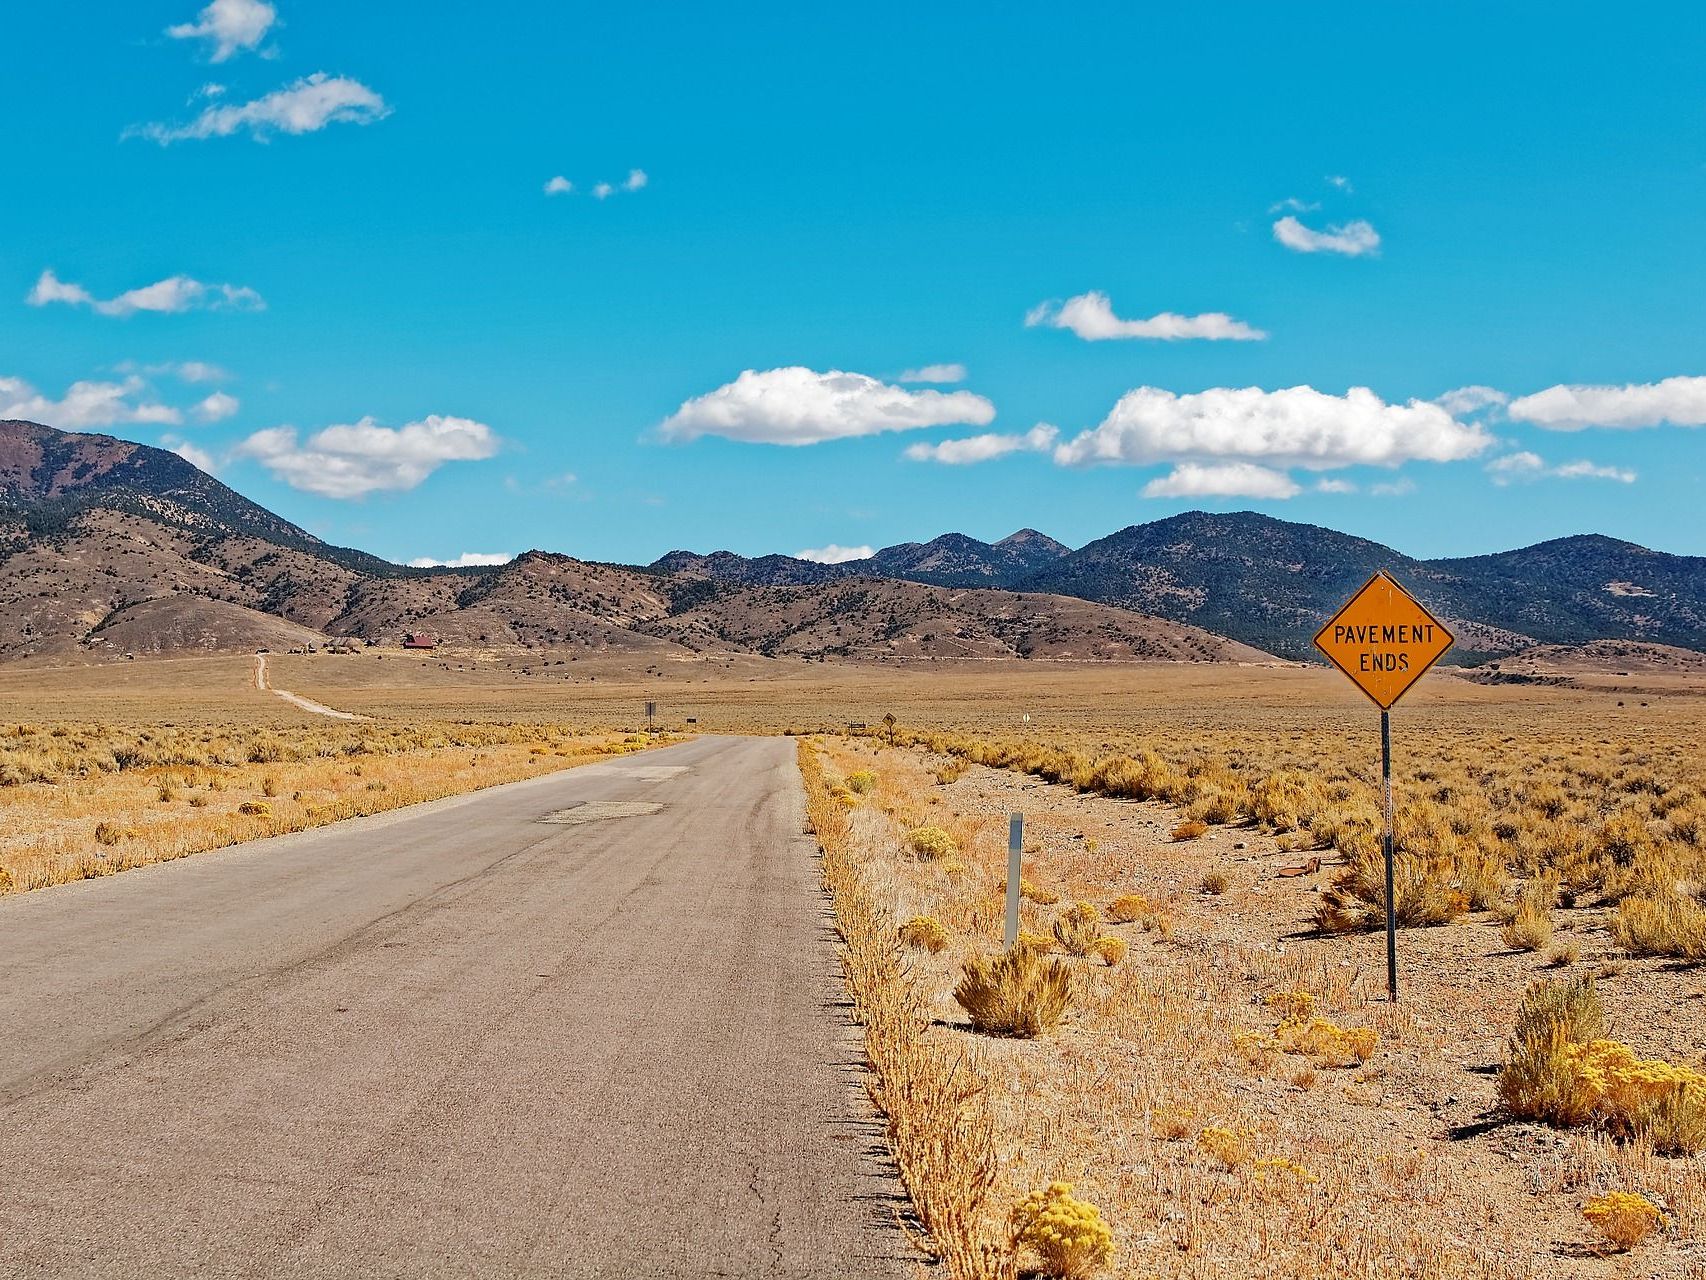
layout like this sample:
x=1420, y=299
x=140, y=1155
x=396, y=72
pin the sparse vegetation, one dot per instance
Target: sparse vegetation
x=1623, y=1218
x=930, y=843
x=1067, y=1234
x=1021, y=993
x=924, y=933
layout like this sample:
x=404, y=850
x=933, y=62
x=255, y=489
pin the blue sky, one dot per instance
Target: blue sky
x=340, y=210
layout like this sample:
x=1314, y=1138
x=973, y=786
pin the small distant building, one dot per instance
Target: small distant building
x=420, y=640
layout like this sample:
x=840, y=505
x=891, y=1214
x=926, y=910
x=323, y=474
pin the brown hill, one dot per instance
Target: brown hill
x=108, y=546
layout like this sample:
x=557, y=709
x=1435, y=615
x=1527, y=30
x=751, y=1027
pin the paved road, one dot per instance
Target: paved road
x=456, y=1040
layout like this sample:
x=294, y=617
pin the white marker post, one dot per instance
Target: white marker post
x=1015, y=846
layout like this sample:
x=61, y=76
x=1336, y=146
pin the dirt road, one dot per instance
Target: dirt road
x=586, y=1025
x=263, y=682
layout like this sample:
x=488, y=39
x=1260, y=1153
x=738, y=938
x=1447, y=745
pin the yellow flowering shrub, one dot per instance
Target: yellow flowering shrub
x=1326, y=1041
x=1623, y=1218
x=1128, y=908
x=255, y=809
x=1041, y=943
x=1229, y=1146
x=925, y=933
x=1297, y=1003
x=1110, y=950
x=1280, y=1175
x=861, y=783
x=931, y=843
x=1030, y=891
x=1066, y=1233
x=1078, y=928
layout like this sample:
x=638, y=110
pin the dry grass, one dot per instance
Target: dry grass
x=1208, y=1125
x=1021, y=993
x=85, y=800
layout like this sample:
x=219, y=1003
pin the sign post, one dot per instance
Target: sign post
x=651, y=716
x=1015, y=847
x=1384, y=640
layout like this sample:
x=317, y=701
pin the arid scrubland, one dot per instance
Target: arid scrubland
x=87, y=799
x=1193, y=1032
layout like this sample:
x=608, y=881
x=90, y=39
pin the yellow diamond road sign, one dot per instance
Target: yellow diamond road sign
x=1383, y=640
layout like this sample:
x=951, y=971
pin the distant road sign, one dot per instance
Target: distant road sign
x=1383, y=640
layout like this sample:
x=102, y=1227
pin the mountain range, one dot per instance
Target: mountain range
x=108, y=545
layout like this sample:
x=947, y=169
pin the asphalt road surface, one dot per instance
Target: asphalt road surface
x=551, y=1029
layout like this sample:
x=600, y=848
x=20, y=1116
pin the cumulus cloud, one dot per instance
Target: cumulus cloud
x=85, y=405
x=969, y=449
x=349, y=461
x=1527, y=465
x=559, y=186
x=307, y=106
x=229, y=26
x=1340, y=181
x=171, y=295
x=1471, y=399
x=602, y=191
x=798, y=406
x=467, y=560
x=1091, y=316
x=1353, y=239
x=1678, y=401
x=217, y=407
x=935, y=373
x=1222, y=480
x=1296, y=426
x=834, y=553
x=635, y=180
x=1329, y=485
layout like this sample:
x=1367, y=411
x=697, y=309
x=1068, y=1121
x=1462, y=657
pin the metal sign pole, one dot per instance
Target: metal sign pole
x=1391, y=902
x=1015, y=846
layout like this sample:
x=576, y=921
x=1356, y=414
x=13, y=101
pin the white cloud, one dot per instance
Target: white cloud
x=1353, y=239
x=969, y=449
x=192, y=454
x=49, y=288
x=467, y=560
x=230, y=26
x=1471, y=399
x=935, y=373
x=1340, y=181
x=603, y=191
x=308, y=105
x=798, y=406
x=1295, y=205
x=85, y=405
x=1091, y=316
x=1329, y=485
x=348, y=461
x=197, y=371
x=1393, y=488
x=835, y=554
x=1679, y=401
x=635, y=180
x=1594, y=471
x=1527, y=465
x=1296, y=426
x=169, y=296
x=559, y=186
x=1222, y=480
x=217, y=407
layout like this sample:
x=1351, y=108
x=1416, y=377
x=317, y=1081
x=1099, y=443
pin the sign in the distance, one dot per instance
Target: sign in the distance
x=1383, y=640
